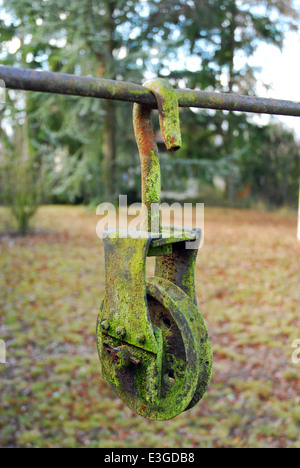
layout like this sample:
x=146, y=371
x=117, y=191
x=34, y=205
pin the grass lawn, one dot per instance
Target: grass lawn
x=51, y=286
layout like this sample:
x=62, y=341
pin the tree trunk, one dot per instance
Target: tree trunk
x=109, y=152
x=109, y=142
x=228, y=137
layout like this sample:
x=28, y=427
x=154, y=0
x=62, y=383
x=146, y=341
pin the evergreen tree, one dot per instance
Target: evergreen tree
x=88, y=144
x=221, y=36
x=86, y=37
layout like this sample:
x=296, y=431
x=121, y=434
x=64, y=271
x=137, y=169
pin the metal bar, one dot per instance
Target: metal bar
x=60, y=83
x=235, y=102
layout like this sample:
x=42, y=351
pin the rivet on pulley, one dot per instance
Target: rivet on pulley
x=105, y=325
x=141, y=338
x=121, y=332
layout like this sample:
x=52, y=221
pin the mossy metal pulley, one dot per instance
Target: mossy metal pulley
x=153, y=344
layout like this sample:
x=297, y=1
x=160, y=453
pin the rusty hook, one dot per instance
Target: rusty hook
x=168, y=109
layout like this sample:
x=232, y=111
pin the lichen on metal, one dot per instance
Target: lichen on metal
x=86, y=86
x=168, y=109
x=153, y=344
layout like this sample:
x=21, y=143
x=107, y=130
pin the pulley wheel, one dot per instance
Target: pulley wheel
x=160, y=387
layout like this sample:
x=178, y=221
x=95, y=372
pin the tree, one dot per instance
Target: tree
x=272, y=165
x=121, y=40
x=20, y=178
x=81, y=37
x=218, y=33
x=220, y=36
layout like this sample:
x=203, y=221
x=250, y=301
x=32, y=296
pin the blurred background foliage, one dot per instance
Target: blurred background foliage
x=82, y=151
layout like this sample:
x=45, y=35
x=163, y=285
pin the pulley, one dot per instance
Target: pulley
x=152, y=341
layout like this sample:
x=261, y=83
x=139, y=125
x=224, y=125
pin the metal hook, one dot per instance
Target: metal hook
x=152, y=341
x=168, y=108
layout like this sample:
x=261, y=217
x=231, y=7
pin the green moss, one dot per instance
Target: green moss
x=168, y=112
x=62, y=269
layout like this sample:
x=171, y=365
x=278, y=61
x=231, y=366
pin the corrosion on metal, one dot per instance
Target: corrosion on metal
x=170, y=127
x=85, y=86
x=153, y=344
x=161, y=382
x=168, y=109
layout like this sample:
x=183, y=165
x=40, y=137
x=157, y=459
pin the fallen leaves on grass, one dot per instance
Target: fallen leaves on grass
x=52, y=284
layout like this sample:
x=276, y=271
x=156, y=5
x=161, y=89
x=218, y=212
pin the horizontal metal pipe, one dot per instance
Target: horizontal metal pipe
x=85, y=86
x=235, y=102
x=60, y=83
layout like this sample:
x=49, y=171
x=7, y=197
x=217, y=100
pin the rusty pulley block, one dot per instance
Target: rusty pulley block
x=153, y=344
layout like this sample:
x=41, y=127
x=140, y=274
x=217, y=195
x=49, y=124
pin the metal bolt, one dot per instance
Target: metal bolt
x=121, y=331
x=120, y=357
x=105, y=325
x=141, y=338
